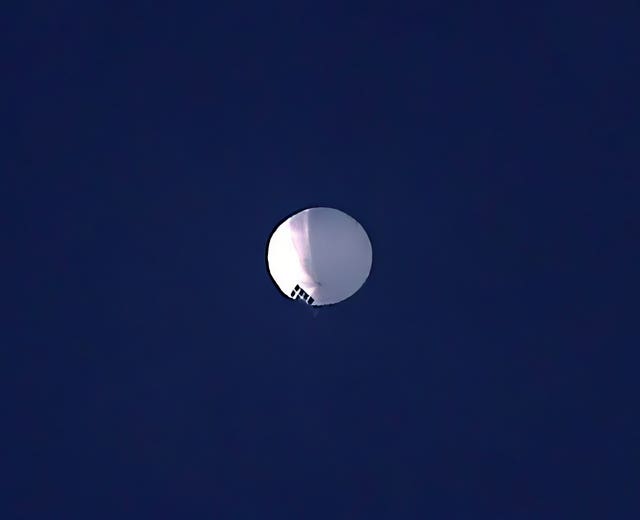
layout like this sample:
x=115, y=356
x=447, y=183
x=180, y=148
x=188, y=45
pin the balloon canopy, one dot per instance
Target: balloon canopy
x=319, y=255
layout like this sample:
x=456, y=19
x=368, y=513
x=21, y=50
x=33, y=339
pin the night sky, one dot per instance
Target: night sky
x=487, y=369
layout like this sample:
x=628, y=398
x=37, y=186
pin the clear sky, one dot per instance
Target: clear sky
x=487, y=369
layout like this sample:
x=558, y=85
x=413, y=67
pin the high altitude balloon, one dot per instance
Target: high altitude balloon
x=319, y=255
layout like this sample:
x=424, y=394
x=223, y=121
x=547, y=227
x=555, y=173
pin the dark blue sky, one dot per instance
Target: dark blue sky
x=486, y=370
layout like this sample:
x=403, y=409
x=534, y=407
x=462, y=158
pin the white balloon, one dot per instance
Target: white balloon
x=320, y=255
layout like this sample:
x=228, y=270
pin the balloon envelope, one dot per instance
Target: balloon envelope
x=321, y=255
